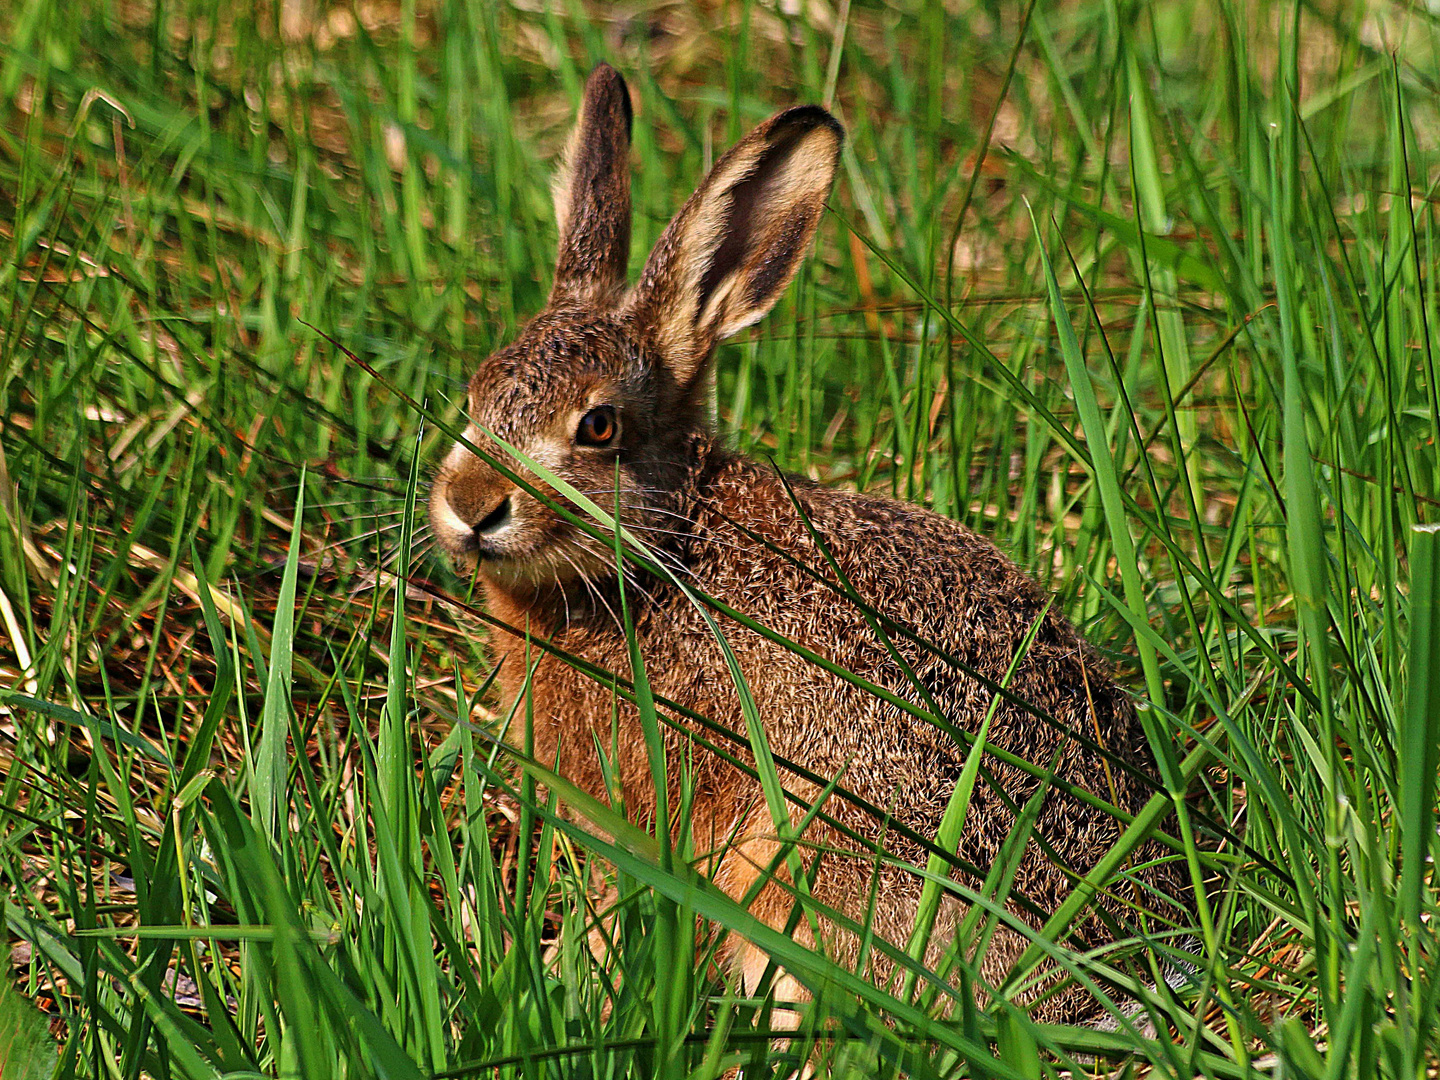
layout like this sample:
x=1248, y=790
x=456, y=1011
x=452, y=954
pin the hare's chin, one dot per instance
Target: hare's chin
x=523, y=574
x=553, y=564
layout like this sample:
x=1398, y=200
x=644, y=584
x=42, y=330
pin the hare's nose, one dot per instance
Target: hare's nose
x=495, y=520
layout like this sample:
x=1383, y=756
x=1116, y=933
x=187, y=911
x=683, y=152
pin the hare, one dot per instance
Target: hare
x=610, y=381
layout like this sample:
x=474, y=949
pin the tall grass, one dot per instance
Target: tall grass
x=1146, y=293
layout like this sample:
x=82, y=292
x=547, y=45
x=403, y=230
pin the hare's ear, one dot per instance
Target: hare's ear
x=732, y=249
x=592, y=195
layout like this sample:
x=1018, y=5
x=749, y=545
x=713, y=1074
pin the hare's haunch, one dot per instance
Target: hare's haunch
x=610, y=381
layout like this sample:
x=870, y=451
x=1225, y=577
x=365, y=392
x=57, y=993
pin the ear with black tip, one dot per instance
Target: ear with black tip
x=592, y=195
x=724, y=260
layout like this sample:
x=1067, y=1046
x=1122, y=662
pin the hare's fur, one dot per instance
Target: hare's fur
x=735, y=530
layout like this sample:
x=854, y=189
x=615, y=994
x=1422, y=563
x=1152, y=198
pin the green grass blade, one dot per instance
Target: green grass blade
x=270, y=766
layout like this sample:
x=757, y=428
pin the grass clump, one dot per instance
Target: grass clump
x=1146, y=293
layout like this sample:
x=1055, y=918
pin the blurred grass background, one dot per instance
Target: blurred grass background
x=1146, y=292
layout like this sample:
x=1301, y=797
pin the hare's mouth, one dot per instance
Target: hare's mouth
x=470, y=546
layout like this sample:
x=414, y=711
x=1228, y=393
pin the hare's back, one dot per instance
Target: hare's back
x=775, y=545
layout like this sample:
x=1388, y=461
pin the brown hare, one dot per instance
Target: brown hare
x=610, y=381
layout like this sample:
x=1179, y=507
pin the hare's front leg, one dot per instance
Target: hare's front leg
x=746, y=859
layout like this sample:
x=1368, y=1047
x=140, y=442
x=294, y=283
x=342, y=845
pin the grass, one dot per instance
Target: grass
x=1158, y=314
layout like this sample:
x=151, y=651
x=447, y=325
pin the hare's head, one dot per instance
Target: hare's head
x=607, y=380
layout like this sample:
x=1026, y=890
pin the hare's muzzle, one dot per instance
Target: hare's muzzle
x=472, y=511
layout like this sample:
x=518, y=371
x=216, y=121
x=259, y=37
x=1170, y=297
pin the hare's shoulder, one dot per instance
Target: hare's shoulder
x=895, y=554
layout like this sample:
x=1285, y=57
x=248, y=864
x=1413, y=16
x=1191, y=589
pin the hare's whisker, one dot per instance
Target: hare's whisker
x=594, y=590
x=706, y=540
x=358, y=538
x=395, y=506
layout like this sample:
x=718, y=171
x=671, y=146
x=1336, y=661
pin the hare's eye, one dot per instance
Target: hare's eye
x=598, y=427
